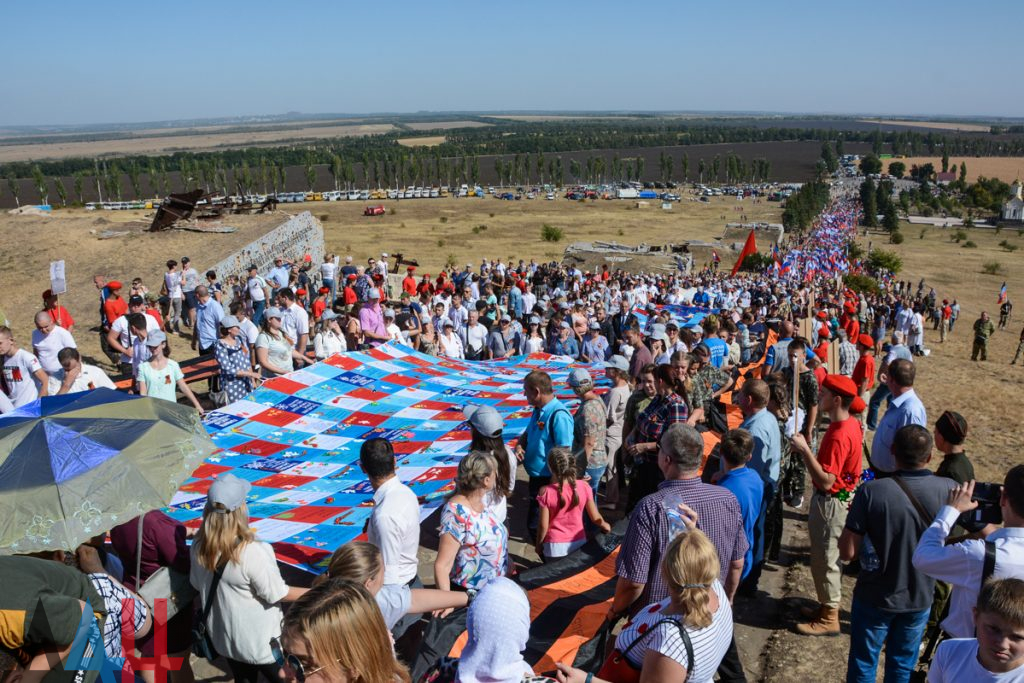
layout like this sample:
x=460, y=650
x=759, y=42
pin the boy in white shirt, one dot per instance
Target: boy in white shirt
x=23, y=378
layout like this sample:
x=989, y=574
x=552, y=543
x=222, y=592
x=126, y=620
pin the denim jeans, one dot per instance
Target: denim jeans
x=257, y=312
x=595, y=474
x=870, y=630
x=881, y=394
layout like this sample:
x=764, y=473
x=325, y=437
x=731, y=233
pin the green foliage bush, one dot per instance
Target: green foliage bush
x=880, y=259
x=969, y=244
x=896, y=237
x=861, y=283
x=991, y=267
x=550, y=233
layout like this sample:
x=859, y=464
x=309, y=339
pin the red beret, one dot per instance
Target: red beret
x=822, y=315
x=841, y=385
x=823, y=333
x=866, y=340
x=114, y=284
x=352, y=276
x=300, y=292
x=858, y=405
x=307, y=258
x=378, y=276
x=849, y=307
x=325, y=290
x=411, y=268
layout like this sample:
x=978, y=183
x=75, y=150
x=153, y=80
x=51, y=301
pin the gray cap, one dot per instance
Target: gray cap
x=374, y=293
x=389, y=313
x=566, y=325
x=594, y=325
x=229, y=491
x=618, y=362
x=484, y=419
x=329, y=315
x=506, y=318
x=580, y=378
x=229, y=321
x=448, y=323
x=272, y=312
x=534, y=320
x=155, y=339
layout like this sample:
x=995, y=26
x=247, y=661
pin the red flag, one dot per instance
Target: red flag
x=749, y=247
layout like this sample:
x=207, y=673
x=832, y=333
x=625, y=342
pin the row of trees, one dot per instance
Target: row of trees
x=552, y=138
x=113, y=180
x=804, y=205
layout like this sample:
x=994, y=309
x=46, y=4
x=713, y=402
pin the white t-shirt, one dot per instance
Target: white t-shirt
x=956, y=661
x=394, y=527
x=121, y=327
x=91, y=377
x=19, y=373
x=245, y=616
x=47, y=346
x=249, y=332
x=172, y=281
x=328, y=270
x=295, y=322
x=394, y=602
x=476, y=337
x=255, y=287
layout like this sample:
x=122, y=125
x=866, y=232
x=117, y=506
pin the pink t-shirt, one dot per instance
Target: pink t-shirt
x=566, y=523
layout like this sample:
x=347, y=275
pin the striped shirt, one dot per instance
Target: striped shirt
x=719, y=517
x=709, y=643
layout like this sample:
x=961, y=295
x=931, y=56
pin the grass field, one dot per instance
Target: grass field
x=165, y=144
x=424, y=141
x=935, y=125
x=1006, y=169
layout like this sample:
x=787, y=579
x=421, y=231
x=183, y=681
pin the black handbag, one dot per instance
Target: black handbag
x=202, y=645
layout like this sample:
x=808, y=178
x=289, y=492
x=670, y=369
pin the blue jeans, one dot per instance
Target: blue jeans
x=257, y=312
x=595, y=474
x=881, y=394
x=870, y=630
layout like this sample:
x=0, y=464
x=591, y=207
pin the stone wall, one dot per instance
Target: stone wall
x=294, y=239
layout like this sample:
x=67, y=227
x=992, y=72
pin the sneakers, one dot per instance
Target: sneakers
x=797, y=502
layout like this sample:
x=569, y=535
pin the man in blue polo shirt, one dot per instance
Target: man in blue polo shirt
x=719, y=349
x=550, y=425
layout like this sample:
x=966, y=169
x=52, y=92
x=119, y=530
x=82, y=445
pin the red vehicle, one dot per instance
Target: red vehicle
x=374, y=210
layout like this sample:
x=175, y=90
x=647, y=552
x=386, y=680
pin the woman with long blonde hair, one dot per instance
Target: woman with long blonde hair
x=693, y=625
x=240, y=576
x=336, y=634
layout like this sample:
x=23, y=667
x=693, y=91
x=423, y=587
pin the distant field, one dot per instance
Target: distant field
x=1006, y=169
x=937, y=125
x=559, y=117
x=425, y=141
x=166, y=144
x=445, y=125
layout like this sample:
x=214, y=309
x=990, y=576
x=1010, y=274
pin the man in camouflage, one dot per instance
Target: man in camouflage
x=983, y=329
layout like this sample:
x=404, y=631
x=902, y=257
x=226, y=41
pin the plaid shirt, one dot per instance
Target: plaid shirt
x=719, y=517
x=661, y=412
x=848, y=357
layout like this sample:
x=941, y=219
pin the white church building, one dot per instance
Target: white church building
x=1013, y=208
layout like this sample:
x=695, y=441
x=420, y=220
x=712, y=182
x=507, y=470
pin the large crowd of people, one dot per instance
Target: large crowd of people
x=938, y=570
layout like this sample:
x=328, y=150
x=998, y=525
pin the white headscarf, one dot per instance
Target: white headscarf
x=498, y=626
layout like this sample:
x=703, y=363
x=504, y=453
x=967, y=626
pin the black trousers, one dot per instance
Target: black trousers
x=533, y=514
x=731, y=668
x=244, y=672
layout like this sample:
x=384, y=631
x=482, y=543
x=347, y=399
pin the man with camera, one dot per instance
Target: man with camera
x=892, y=600
x=963, y=564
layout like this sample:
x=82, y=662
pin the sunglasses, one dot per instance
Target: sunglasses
x=282, y=659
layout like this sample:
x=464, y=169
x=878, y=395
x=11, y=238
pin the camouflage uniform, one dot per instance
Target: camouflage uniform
x=983, y=329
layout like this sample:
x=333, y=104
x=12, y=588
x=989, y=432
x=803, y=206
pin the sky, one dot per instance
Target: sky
x=112, y=61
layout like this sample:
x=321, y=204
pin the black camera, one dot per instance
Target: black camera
x=988, y=510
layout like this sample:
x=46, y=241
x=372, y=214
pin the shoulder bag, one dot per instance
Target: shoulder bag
x=618, y=668
x=163, y=584
x=202, y=644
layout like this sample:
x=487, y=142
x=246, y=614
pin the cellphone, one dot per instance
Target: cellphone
x=988, y=511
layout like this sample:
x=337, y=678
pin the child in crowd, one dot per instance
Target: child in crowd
x=562, y=503
x=159, y=375
x=997, y=651
x=746, y=484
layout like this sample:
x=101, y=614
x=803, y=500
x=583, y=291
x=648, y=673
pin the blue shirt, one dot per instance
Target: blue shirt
x=767, y=455
x=903, y=410
x=208, y=318
x=542, y=436
x=719, y=351
x=595, y=348
x=515, y=299
x=748, y=488
x=569, y=347
x=280, y=275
